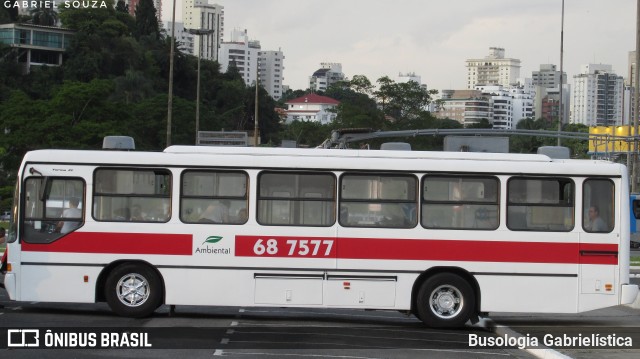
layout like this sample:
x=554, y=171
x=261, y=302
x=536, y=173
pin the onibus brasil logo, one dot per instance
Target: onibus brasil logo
x=207, y=248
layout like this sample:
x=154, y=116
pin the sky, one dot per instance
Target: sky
x=432, y=38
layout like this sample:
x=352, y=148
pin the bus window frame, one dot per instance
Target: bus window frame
x=416, y=199
x=572, y=201
x=95, y=193
x=424, y=202
x=333, y=200
x=182, y=196
x=613, y=205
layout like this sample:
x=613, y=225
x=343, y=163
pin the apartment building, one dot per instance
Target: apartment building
x=493, y=69
x=597, y=96
x=204, y=15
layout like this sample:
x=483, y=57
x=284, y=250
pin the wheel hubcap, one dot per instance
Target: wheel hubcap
x=446, y=302
x=133, y=290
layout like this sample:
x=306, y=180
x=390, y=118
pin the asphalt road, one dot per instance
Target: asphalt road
x=301, y=332
x=245, y=333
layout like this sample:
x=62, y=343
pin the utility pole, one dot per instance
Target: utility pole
x=634, y=171
x=561, y=110
x=256, y=129
x=170, y=101
x=199, y=32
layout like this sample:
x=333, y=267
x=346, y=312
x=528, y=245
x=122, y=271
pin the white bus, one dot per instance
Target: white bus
x=445, y=236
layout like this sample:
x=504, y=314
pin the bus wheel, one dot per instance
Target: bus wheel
x=133, y=290
x=445, y=300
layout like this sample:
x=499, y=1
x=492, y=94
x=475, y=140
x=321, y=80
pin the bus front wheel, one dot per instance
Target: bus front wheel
x=445, y=300
x=133, y=290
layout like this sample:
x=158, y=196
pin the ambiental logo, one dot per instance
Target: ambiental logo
x=204, y=248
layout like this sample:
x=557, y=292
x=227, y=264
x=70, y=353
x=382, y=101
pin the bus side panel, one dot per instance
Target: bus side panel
x=58, y=283
x=208, y=287
x=528, y=294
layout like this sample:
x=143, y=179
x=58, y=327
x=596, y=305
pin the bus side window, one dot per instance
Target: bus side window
x=540, y=204
x=138, y=195
x=598, y=206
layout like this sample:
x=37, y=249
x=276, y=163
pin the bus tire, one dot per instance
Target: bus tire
x=133, y=290
x=445, y=300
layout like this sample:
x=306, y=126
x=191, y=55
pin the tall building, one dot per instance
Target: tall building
x=597, y=96
x=203, y=14
x=328, y=74
x=510, y=105
x=548, y=77
x=246, y=55
x=271, y=72
x=241, y=52
x=547, y=99
x=184, y=40
x=494, y=69
x=628, y=117
x=468, y=107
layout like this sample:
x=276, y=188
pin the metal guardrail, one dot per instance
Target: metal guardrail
x=340, y=138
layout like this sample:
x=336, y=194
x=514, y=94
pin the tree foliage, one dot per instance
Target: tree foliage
x=146, y=20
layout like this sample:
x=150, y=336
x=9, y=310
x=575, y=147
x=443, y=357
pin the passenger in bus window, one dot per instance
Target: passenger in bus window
x=136, y=213
x=242, y=215
x=72, y=212
x=216, y=213
x=596, y=224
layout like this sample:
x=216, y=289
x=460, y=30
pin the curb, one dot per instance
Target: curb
x=541, y=352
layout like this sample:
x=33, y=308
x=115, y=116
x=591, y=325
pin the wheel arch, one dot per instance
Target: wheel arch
x=104, y=274
x=464, y=274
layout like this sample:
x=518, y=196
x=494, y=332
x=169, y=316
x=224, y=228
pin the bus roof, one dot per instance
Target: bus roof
x=330, y=159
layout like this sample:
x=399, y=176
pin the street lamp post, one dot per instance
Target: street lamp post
x=199, y=32
x=561, y=72
x=171, y=56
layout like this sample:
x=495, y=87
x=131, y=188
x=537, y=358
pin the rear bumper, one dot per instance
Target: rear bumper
x=629, y=293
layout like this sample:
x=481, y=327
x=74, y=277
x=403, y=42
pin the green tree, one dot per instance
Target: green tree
x=147, y=20
x=121, y=6
x=132, y=87
x=361, y=84
x=402, y=101
x=527, y=144
x=8, y=14
x=42, y=15
x=306, y=133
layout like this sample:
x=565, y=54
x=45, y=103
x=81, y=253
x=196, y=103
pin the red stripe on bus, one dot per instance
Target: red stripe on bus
x=117, y=243
x=430, y=249
x=475, y=251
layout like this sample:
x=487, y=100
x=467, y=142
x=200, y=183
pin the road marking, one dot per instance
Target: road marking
x=224, y=341
x=218, y=352
x=230, y=331
x=233, y=324
x=249, y=324
x=491, y=354
x=16, y=308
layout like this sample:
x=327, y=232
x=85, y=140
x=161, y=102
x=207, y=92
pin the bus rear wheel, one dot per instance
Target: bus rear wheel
x=445, y=300
x=133, y=290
